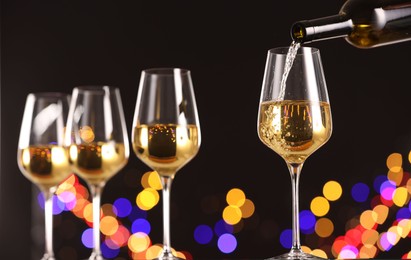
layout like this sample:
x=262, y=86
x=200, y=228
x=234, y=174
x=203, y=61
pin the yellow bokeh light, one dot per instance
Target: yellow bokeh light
x=409, y=156
x=319, y=253
x=408, y=186
x=367, y=252
x=179, y=255
x=108, y=225
x=154, y=180
x=368, y=219
x=306, y=249
x=332, y=190
x=67, y=185
x=87, y=134
x=382, y=213
x=400, y=196
x=153, y=251
x=369, y=238
x=405, y=225
x=78, y=209
x=144, y=180
x=393, y=234
x=138, y=242
x=396, y=176
x=394, y=162
x=235, y=197
x=247, y=209
x=324, y=227
x=88, y=212
x=320, y=206
x=147, y=198
x=232, y=215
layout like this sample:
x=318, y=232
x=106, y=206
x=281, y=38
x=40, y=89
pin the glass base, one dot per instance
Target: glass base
x=95, y=256
x=296, y=255
x=168, y=257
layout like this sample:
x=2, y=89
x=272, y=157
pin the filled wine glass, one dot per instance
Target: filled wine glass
x=294, y=117
x=98, y=144
x=166, y=131
x=42, y=156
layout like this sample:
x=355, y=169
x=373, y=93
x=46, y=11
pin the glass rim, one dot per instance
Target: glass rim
x=49, y=94
x=166, y=71
x=283, y=50
x=94, y=88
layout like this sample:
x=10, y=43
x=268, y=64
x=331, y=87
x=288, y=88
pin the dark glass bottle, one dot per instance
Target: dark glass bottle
x=363, y=23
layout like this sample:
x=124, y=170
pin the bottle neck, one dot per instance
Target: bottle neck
x=321, y=29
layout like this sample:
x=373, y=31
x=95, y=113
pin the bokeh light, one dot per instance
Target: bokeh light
x=87, y=238
x=324, y=227
x=232, y=214
x=320, y=206
x=360, y=192
x=139, y=242
x=203, y=234
x=332, y=190
x=394, y=162
x=108, y=225
x=122, y=207
x=222, y=227
x=141, y=225
x=235, y=197
x=227, y=243
x=286, y=238
x=147, y=198
x=247, y=209
x=307, y=222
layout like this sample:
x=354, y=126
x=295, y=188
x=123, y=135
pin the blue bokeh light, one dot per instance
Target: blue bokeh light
x=87, y=238
x=203, y=234
x=222, y=227
x=141, y=225
x=122, y=207
x=136, y=213
x=286, y=238
x=108, y=252
x=403, y=213
x=378, y=181
x=360, y=192
x=227, y=243
x=307, y=222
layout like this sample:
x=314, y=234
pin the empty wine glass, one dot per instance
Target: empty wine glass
x=294, y=117
x=41, y=155
x=98, y=141
x=166, y=130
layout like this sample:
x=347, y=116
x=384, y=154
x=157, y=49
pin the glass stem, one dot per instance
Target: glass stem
x=166, y=181
x=295, y=170
x=96, y=191
x=48, y=216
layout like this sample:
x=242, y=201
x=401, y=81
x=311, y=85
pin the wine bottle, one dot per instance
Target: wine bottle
x=363, y=23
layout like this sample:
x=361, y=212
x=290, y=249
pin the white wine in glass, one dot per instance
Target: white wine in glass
x=294, y=117
x=98, y=143
x=41, y=155
x=166, y=131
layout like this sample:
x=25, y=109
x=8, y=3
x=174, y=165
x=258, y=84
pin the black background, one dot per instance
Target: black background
x=55, y=45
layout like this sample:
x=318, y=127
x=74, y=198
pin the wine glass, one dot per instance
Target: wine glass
x=166, y=130
x=294, y=117
x=41, y=156
x=98, y=143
